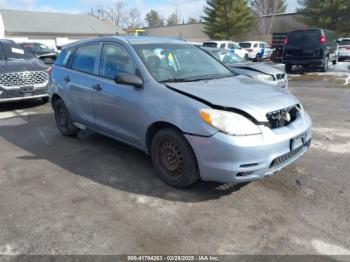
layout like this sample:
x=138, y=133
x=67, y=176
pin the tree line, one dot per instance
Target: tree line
x=226, y=19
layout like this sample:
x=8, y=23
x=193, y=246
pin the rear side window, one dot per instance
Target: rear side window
x=304, y=38
x=63, y=58
x=223, y=46
x=245, y=45
x=210, y=44
x=85, y=58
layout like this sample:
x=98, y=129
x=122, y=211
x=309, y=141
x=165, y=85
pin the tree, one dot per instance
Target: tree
x=263, y=8
x=114, y=12
x=268, y=7
x=225, y=19
x=174, y=18
x=153, y=19
x=133, y=20
x=328, y=14
x=192, y=20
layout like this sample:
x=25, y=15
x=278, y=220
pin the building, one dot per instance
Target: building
x=195, y=32
x=52, y=29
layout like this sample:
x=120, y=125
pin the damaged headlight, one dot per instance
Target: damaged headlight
x=264, y=78
x=229, y=123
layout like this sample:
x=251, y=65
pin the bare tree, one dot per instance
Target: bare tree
x=114, y=12
x=133, y=20
x=174, y=18
x=263, y=8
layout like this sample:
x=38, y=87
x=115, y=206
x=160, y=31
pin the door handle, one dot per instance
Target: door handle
x=66, y=79
x=97, y=87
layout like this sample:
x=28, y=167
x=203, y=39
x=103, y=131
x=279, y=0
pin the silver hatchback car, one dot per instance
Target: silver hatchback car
x=196, y=118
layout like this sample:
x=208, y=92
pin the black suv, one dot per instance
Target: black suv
x=310, y=47
x=22, y=76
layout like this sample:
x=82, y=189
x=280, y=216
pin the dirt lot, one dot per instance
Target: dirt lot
x=92, y=195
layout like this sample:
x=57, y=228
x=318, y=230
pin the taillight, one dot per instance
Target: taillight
x=250, y=50
x=286, y=41
x=322, y=40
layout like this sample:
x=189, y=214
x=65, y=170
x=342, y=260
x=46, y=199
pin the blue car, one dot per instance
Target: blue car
x=189, y=112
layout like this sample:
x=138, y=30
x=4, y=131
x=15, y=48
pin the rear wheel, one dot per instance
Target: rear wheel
x=63, y=119
x=288, y=68
x=258, y=57
x=173, y=158
x=335, y=61
x=324, y=67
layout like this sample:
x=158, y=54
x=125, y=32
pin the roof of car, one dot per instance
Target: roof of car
x=133, y=40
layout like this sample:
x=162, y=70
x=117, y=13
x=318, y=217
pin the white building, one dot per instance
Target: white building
x=52, y=29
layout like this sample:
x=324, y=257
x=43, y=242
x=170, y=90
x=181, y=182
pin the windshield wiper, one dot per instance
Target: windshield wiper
x=194, y=79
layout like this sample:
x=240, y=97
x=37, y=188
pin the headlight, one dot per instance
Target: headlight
x=229, y=123
x=264, y=78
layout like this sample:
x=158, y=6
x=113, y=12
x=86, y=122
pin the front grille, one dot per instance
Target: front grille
x=27, y=78
x=280, y=76
x=279, y=161
x=8, y=94
x=283, y=117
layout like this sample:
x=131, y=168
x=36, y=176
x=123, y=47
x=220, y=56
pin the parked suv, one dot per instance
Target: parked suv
x=22, y=76
x=344, y=48
x=232, y=46
x=174, y=101
x=310, y=47
x=257, y=51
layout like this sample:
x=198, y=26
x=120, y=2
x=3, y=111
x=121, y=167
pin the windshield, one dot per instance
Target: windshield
x=14, y=51
x=41, y=48
x=344, y=42
x=180, y=63
x=227, y=57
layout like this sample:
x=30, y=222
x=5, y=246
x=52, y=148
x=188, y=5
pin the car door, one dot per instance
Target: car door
x=78, y=81
x=117, y=107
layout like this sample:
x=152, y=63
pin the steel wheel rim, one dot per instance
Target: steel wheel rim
x=170, y=158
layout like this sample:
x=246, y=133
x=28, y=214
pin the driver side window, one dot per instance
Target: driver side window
x=114, y=61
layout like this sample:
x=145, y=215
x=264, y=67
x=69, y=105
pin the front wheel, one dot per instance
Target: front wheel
x=173, y=158
x=288, y=68
x=63, y=119
x=335, y=61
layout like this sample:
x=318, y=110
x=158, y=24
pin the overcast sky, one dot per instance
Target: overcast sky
x=188, y=8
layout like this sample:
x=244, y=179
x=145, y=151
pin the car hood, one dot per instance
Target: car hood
x=240, y=93
x=8, y=66
x=259, y=67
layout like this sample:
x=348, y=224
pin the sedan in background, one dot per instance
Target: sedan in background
x=260, y=71
x=344, y=48
x=41, y=51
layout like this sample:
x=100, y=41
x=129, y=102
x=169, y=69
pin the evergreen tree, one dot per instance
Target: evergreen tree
x=328, y=14
x=153, y=19
x=224, y=19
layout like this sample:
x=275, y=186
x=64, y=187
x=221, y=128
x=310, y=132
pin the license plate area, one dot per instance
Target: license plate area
x=26, y=89
x=298, y=142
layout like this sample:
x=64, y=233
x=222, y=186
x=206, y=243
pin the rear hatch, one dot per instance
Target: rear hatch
x=304, y=44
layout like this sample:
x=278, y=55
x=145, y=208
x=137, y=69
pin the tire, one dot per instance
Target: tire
x=258, y=58
x=63, y=119
x=173, y=158
x=288, y=68
x=335, y=61
x=45, y=99
x=324, y=67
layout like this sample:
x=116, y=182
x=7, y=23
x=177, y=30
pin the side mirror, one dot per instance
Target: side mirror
x=129, y=79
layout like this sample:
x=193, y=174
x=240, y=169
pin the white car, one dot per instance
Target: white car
x=344, y=48
x=257, y=50
x=228, y=45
